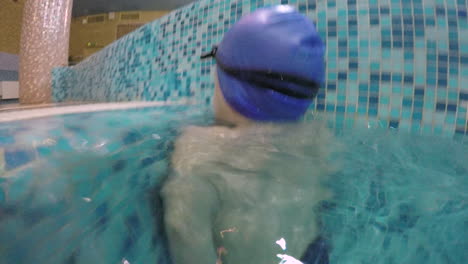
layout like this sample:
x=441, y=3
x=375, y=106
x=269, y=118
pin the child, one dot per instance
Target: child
x=245, y=193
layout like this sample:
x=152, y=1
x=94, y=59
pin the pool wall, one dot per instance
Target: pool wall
x=402, y=64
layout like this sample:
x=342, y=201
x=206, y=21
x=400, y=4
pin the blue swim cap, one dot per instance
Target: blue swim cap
x=270, y=64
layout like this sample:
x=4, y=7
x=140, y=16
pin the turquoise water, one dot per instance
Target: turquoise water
x=83, y=189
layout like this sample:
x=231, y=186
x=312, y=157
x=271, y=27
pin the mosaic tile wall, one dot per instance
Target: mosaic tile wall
x=401, y=62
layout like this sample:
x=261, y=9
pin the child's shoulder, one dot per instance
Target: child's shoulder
x=198, y=145
x=194, y=134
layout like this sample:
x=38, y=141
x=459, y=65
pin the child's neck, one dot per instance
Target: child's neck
x=225, y=114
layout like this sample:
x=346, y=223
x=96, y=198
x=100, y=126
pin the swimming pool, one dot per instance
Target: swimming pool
x=82, y=188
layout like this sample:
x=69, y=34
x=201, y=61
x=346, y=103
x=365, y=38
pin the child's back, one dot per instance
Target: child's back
x=259, y=184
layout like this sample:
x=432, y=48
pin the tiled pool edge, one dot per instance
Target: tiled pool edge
x=22, y=114
x=404, y=63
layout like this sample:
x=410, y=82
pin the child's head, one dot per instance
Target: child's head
x=270, y=66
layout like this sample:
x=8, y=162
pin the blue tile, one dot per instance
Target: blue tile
x=442, y=82
x=133, y=224
x=384, y=10
x=131, y=137
x=443, y=57
x=419, y=92
x=407, y=102
x=408, y=79
x=442, y=70
x=375, y=77
x=417, y=116
x=430, y=22
x=373, y=100
x=102, y=213
x=6, y=137
x=373, y=111
x=363, y=87
x=462, y=13
x=418, y=104
x=397, y=77
x=119, y=165
x=18, y=157
x=460, y=131
x=464, y=59
x=388, y=44
x=385, y=76
x=331, y=86
x=440, y=106
x=464, y=96
x=440, y=11
x=394, y=123
x=2, y=196
x=353, y=65
x=342, y=76
x=150, y=160
x=451, y=107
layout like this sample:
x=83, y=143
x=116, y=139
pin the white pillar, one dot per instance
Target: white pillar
x=45, y=36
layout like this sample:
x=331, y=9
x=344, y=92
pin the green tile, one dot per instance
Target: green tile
x=405, y=114
x=452, y=96
x=453, y=82
x=429, y=94
x=385, y=89
x=429, y=104
x=363, y=43
x=363, y=76
x=450, y=119
x=330, y=97
x=383, y=111
x=362, y=109
x=395, y=113
x=408, y=67
x=408, y=91
x=437, y=130
x=363, y=12
x=420, y=44
x=396, y=89
x=441, y=94
x=349, y=122
x=419, y=80
x=448, y=131
x=385, y=100
x=439, y=118
x=404, y=125
x=429, y=11
x=342, y=86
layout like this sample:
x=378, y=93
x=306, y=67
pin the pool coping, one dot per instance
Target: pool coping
x=53, y=110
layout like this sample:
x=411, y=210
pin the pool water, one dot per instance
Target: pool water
x=84, y=189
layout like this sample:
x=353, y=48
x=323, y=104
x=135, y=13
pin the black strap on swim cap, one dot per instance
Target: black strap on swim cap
x=278, y=82
x=210, y=54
